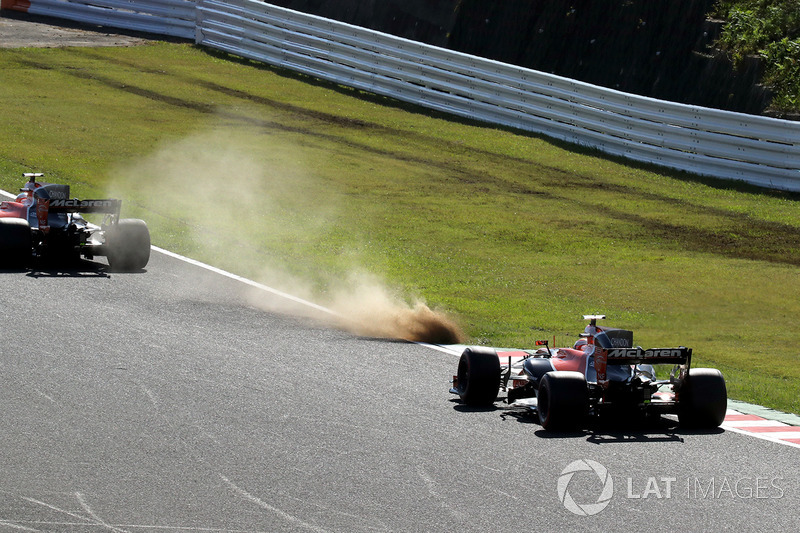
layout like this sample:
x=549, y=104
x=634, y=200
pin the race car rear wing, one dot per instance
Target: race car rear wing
x=653, y=356
x=60, y=201
x=617, y=354
x=73, y=205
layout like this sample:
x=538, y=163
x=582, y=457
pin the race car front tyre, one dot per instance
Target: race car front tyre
x=15, y=243
x=703, y=399
x=478, y=378
x=128, y=244
x=562, y=400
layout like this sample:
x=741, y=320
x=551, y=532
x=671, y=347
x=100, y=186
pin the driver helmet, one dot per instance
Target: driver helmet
x=579, y=344
x=25, y=197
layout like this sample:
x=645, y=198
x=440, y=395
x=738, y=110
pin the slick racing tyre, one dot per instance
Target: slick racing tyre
x=478, y=378
x=128, y=244
x=15, y=243
x=562, y=400
x=703, y=399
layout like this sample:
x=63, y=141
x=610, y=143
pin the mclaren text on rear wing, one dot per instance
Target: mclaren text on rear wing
x=73, y=205
x=655, y=356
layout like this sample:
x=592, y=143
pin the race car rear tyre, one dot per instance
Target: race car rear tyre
x=703, y=399
x=15, y=243
x=128, y=244
x=478, y=378
x=562, y=400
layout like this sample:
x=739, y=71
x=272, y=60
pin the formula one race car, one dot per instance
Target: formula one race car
x=602, y=373
x=44, y=223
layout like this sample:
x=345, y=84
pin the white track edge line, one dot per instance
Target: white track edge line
x=244, y=280
x=762, y=436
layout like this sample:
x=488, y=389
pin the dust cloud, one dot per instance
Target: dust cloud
x=367, y=306
x=243, y=200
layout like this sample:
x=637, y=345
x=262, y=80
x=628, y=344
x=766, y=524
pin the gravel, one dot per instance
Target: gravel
x=19, y=30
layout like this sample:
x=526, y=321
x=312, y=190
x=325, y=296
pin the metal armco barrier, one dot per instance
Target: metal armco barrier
x=758, y=150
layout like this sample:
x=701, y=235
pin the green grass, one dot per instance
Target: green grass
x=304, y=185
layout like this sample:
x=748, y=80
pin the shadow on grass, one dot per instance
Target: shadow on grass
x=576, y=181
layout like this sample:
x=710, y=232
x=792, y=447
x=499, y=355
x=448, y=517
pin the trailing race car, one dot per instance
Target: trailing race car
x=602, y=373
x=43, y=222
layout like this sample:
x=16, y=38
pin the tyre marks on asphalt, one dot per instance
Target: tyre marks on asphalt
x=74, y=513
x=88, y=510
x=15, y=526
x=78, y=518
x=289, y=518
x=430, y=485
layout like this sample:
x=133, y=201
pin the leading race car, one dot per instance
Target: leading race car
x=44, y=223
x=602, y=373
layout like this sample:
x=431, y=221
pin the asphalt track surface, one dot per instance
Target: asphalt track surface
x=166, y=401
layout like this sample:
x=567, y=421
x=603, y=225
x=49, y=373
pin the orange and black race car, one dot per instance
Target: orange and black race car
x=44, y=224
x=601, y=373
